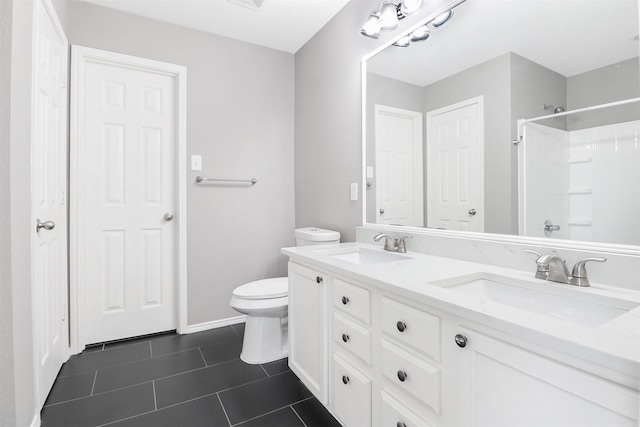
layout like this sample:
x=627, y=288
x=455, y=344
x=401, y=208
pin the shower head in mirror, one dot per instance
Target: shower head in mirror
x=554, y=108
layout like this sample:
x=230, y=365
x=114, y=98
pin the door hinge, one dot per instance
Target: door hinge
x=64, y=312
x=64, y=81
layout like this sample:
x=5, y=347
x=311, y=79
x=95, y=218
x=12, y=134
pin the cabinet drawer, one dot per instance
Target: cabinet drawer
x=351, y=394
x=411, y=374
x=396, y=414
x=412, y=326
x=353, y=337
x=352, y=299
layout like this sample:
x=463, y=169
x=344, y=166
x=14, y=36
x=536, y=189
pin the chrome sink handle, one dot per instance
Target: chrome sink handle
x=579, y=274
x=400, y=246
x=542, y=270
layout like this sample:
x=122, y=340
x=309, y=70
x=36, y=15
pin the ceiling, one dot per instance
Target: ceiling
x=567, y=36
x=284, y=25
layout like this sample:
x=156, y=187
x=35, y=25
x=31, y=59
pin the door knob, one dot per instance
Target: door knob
x=381, y=211
x=47, y=225
x=168, y=216
x=472, y=212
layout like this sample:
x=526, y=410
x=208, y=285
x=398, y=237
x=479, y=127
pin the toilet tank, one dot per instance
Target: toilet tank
x=315, y=236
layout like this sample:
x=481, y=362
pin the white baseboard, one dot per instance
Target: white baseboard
x=205, y=326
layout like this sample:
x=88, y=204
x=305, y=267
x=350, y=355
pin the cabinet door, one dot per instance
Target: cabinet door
x=505, y=385
x=308, y=328
x=351, y=394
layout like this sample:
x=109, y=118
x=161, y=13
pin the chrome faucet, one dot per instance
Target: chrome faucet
x=557, y=270
x=553, y=268
x=392, y=243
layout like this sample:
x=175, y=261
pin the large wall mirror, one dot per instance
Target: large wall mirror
x=514, y=117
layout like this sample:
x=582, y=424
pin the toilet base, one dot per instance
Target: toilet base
x=266, y=339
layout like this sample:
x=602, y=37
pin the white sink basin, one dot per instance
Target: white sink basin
x=363, y=256
x=575, y=305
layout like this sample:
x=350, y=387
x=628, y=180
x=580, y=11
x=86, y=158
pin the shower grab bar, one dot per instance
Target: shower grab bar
x=200, y=179
x=522, y=122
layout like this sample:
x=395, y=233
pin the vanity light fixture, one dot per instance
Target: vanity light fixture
x=371, y=28
x=409, y=7
x=403, y=42
x=442, y=19
x=389, y=15
x=420, y=34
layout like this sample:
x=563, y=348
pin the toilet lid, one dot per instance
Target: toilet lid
x=263, y=289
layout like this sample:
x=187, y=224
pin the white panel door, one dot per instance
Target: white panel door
x=49, y=173
x=455, y=171
x=128, y=190
x=399, y=188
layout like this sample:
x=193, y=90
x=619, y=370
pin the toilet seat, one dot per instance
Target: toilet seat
x=277, y=287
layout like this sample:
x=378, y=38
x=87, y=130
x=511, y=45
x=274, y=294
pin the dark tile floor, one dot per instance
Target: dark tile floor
x=179, y=380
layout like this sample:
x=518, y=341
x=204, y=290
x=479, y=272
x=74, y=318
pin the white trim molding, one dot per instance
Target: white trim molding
x=80, y=56
x=214, y=324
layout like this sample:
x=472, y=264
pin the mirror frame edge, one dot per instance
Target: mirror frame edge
x=561, y=244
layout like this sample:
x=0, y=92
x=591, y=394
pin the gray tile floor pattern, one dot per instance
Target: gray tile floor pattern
x=193, y=380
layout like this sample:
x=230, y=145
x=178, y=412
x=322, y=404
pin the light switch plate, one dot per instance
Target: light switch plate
x=369, y=171
x=354, y=191
x=196, y=163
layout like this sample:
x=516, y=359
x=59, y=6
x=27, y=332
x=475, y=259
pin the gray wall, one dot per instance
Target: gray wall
x=392, y=93
x=328, y=118
x=603, y=85
x=491, y=80
x=513, y=87
x=240, y=119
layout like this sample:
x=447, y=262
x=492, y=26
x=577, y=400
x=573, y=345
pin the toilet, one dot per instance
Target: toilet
x=265, y=302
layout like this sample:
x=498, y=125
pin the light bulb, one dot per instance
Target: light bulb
x=388, y=16
x=409, y=7
x=403, y=42
x=442, y=19
x=420, y=34
x=371, y=27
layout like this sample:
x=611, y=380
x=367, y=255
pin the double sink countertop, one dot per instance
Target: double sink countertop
x=599, y=324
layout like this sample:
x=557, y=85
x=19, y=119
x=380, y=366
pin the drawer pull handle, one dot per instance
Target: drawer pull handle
x=345, y=379
x=400, y=424
x=461, y=340
x=402, y=376
x=345, y=337
x=401, y=326
x=345, y=300
x=318, y=279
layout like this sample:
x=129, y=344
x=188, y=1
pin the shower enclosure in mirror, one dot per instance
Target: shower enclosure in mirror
x=441, y=116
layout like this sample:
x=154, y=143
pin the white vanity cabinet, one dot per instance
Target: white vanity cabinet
x=351, y=346
x=409, y=364
x=501, y=384
x=308, y=328
x=380, y=356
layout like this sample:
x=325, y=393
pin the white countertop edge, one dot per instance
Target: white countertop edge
x=615, y=345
